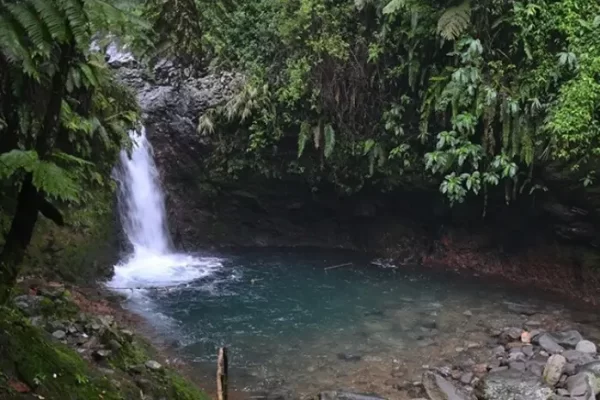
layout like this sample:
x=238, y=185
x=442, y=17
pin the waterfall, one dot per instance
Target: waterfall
x=152, y=262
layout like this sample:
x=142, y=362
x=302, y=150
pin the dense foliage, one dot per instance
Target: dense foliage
x=464, y=95
x=63, y=116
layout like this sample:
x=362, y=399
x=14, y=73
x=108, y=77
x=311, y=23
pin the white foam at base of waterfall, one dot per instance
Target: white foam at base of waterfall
x=152, y=263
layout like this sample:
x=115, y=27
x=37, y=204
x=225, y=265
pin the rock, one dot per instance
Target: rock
x=592, y=370
x=480, y=369
x=349, y=357
x=466, y=378
x=500, y=369
x=567, y=338
x=29, y=305
x=498, y=351
x=526, y=337
x=512, y=385
x=517, y=365
x=528, y=351
x=101, y=354
x=577, y=357
x=53, y=292
x=338, y=395
x=136, y=369
x=429, y=324
x=579, y=387
x=549, y=344
x=570, y=369
x=585, y=346
x=106, y=320
x=127, y=334
x=468, y=313
x=438, y=388
x=516, y=356
x=106, y=371
x=114, y=345
x=37, y=321
x=153, y=365
x=526, y=309
x=60, y=335
x=510, y=335
x=554, y=369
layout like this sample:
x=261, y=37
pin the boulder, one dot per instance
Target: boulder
x=438, y=388
x=592, y=371
x=548, y=343
x=585, y=346
x=577, y=357
x=512, y=385
x=579, y=387
x=554, y=369
x=567, y=338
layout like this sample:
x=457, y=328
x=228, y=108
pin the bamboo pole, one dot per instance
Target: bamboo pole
x=222, y=374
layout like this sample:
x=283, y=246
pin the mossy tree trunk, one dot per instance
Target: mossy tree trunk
x=30, y=200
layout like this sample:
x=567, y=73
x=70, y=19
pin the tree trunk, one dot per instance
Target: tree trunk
x=18, y=237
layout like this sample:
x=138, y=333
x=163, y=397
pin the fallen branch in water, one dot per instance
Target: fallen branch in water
x=222, y=374
x=338, y=266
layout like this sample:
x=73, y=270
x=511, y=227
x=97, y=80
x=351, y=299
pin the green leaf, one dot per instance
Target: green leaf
x=54, y=181
x=393, y=6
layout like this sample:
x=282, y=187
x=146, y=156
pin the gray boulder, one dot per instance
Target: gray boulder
x=585, y=346
x=579, y=387
x=592, y=371
x=512, y=385
x=577, y=357
x=554, y=369
x=438, y=388
x=548, y=343
x=567, y=338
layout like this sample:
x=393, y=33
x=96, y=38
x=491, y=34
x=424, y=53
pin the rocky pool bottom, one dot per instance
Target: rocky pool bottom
x=301, y=323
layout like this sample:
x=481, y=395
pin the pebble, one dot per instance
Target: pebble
x=101, y=354
x=468, y=313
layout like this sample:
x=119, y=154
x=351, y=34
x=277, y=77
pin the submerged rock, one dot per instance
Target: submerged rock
x=438, y=388
x=579, y=387
x=512, y=385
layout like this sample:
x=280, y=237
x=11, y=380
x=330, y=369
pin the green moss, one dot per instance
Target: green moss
x=181, y=389
x=55, y=371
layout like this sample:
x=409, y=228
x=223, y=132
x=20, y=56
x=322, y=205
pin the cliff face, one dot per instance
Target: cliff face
x=551, y=235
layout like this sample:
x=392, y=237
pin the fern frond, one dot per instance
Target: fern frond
x=78, y=21
x=31, y=25
x=16, y=160
x=52, y=18
x=13, y=46
x=54, y=181
x=454, y=21
x=393, y=6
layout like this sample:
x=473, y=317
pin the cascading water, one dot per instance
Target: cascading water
x=152, y=262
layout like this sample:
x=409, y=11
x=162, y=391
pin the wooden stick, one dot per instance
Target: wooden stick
x=222, y=374
x=338, y=266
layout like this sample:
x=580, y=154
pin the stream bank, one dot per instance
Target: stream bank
x=60, y=343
